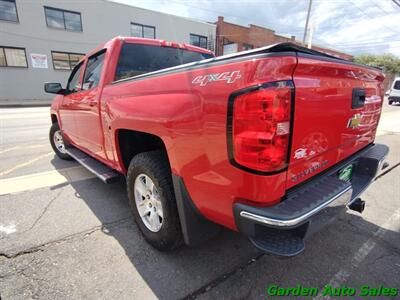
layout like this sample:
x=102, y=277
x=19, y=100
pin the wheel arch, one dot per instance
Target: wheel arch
x=132, y=142
x=195, y=228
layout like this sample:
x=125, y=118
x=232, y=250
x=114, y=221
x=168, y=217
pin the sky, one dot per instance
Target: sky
x=353, y=26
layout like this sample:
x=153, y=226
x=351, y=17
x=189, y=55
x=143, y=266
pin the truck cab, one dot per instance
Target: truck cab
x=78, y=105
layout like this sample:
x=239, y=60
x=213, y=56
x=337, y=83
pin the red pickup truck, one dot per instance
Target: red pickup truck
x=271, y=142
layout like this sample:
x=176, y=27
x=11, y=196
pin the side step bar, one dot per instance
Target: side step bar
x=106, y=174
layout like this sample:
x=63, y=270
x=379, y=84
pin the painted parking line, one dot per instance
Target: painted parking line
x=8, y=229
x=44, y=179
x=24, y=164
x=22, y=147
x=340, y=277
x=9, y=149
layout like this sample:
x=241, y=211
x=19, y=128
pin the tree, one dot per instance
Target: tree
x=388, y=62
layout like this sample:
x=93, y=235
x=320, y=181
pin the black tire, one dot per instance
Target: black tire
x=53, y=129
x=390, y=102
x=154, y=164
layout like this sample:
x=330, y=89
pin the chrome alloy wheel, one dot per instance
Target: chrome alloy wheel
x=59, y=142
x=148, y=202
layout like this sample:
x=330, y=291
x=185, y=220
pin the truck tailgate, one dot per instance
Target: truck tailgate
x=336, y=113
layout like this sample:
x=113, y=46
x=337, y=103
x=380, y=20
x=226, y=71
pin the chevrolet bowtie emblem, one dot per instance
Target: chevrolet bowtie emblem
x=355, y=121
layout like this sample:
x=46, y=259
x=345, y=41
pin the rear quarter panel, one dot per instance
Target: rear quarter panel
x=191, y=119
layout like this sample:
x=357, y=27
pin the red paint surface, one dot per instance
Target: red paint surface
x=192, y=122
x=323, y=109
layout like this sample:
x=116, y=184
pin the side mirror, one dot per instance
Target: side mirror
x=53, y=88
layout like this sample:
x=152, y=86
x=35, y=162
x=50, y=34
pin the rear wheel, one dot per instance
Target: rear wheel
x=390, y=102
x=152, y=201
x=57, y=142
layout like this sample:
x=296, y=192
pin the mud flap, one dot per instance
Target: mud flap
x=195, y=228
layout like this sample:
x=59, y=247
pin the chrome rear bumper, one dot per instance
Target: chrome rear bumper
x=281, y=229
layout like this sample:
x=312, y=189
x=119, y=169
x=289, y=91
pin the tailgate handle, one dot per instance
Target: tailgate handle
x=358, y=98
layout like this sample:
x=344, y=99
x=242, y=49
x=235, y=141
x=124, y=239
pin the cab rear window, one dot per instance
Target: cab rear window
x=136, y=59
x=396, y=85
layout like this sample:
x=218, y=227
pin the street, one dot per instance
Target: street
x=66, y=235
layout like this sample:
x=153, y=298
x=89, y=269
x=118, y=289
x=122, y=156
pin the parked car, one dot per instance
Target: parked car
x=271, y=142
x=394, y=92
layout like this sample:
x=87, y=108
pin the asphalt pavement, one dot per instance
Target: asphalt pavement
x=66, y=235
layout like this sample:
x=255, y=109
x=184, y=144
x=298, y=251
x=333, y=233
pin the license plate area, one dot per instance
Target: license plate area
x=346, y=173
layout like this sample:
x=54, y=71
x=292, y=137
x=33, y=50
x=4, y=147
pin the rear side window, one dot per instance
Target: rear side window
x=136, y=59
x=93, y=71
x=396, y=85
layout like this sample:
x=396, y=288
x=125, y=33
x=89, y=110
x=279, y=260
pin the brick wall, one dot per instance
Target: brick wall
x=256, y=36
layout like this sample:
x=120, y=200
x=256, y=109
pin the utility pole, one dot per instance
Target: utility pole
x=310, y=35
x=307, y=20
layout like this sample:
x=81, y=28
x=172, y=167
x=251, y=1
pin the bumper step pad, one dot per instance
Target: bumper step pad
x=283, y=243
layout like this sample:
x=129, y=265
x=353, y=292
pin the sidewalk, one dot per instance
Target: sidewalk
x=389, y=123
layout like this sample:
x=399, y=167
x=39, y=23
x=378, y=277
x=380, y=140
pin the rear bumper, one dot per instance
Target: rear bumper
x=283, y=228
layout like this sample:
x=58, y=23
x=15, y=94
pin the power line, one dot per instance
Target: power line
x=397, y=2
x=362, y=11
x=369, y=41
x=366, y=43
x=298, y=31
x=381, y=8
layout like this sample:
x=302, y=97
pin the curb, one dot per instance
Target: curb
x=10, y=104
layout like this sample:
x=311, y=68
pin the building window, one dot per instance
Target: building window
x=230, y=48
x=247, y=47
x=13, y=57
x=63, y=19
x=143, y=31
x=198, y=40
x=8, y=10
x=65, y=60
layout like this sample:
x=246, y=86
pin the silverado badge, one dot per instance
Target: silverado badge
x=355, y=121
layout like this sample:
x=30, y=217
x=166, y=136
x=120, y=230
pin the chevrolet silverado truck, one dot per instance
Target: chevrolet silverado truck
x=273, y=142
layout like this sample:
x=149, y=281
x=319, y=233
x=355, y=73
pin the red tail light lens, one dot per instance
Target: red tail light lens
x=260, y=127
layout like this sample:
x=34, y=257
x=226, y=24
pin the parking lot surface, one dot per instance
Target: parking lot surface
x=65, y=234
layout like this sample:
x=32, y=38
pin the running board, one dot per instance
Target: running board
x=106, y=174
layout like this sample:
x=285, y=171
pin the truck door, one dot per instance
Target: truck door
x=69, y=104
x=87, y=114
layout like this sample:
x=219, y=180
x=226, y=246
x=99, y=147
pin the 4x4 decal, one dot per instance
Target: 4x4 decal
x=229, y=77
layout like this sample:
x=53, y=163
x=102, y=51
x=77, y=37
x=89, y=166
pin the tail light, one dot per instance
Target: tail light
x=259, y=127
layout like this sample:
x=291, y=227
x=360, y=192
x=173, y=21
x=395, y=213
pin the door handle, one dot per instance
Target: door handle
x=358, y=98
x=89, y=102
